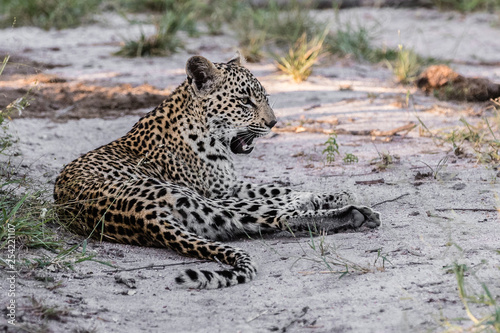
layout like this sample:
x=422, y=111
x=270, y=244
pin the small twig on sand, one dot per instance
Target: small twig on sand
x=429, y=214
x=156, y=266
x=390, y=200
x=317, y=272
x=405, y=128
x=470, y=209
x=350, y=176
x=370, y=182
x=256, y=316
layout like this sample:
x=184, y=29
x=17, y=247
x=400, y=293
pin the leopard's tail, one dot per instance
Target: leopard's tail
x=244, y=270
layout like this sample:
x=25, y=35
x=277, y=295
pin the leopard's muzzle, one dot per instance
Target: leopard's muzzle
x=242, y=143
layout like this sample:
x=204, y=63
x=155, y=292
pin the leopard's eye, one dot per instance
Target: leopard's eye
x=247, y=101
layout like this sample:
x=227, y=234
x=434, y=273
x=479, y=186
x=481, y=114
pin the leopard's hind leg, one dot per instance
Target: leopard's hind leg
x=179, y=218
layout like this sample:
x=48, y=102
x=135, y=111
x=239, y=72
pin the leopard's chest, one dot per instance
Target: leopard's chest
x=209, y=172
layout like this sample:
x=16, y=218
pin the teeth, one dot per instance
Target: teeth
x=245, y=147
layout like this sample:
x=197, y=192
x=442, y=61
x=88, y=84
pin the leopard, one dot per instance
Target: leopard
x=171, y=181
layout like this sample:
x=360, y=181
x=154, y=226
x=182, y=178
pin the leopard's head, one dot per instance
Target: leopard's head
x=234, y=103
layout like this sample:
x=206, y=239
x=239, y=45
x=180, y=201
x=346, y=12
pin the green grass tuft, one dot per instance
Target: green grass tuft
x=47, y=14
x=466, y=5
x=162, y=43
x=28, y=217
x=259, y=28
x=406, y=66
x=139, y=6
x=252, y=47
x=215, y=13
x=350, y=40
x=178, y=16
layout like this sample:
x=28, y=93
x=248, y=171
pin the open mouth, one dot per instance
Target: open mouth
x=242, y=143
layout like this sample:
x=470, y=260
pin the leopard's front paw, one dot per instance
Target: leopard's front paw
x=362, y=215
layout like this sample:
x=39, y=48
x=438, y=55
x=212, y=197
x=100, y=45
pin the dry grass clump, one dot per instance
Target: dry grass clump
x=301, y=57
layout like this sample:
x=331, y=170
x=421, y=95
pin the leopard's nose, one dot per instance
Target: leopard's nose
x=271, y=123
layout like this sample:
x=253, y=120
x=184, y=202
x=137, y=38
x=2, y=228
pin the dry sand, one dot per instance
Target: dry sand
x=411, y=292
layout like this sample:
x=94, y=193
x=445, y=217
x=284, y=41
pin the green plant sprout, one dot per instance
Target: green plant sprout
x=332, y=148
x=441, y=164
x=350, y=158
x=382, y=256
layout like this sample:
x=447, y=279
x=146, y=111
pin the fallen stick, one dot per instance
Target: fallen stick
x=299, y=129
x=334, y=121
x=408, y=127
x=390, y=200
x=429, y=214
x=470, y=209
x=156, y=266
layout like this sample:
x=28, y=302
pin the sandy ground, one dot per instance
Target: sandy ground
x=410, y=291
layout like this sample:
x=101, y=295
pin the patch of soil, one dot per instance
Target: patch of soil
x=53, y=97
x=446, y=84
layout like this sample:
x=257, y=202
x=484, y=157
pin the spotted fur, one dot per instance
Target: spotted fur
x=170, y=181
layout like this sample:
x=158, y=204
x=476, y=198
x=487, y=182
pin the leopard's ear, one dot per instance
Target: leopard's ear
x=237, y=60
x=202, y=74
